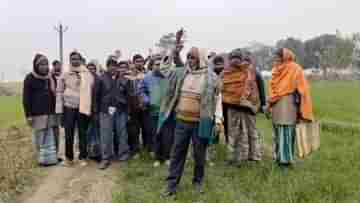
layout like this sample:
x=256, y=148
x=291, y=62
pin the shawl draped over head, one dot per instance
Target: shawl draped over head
x=201, y=54
x=240, y=87
x=287, y=78
x=38, y=58
x=209, y=96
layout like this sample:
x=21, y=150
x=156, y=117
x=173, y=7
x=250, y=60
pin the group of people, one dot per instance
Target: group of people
x=161, y=104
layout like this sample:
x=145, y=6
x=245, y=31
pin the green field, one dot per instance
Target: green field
x=16, y=151
x=338, y=101
x=11, y=111
x=329, y=175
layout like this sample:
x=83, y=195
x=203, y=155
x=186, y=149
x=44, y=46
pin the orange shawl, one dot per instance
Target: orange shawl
x=287, y=77
x=239, y=86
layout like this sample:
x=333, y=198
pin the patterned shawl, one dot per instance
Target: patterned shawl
x=240, y=87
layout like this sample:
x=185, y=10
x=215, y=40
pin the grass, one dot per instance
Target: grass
x=16, y=162
x=329, y=175
x=11, y=111
x=16, y=150
x=337, y=100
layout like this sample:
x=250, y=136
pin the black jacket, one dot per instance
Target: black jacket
x=112, y=93
x=38, y=98
x=94, y=92
x=261, y=86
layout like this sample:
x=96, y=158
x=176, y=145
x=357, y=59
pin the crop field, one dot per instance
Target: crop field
x=328, y=175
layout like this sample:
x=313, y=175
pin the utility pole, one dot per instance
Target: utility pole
x=61, y=29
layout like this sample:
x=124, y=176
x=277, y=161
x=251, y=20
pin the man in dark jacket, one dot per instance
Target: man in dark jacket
x=39, y=102
x=112, y=100
x=56, y=72
x=94, y=150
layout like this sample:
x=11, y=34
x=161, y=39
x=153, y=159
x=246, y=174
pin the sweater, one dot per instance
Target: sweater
x=188, y=107
x=153, y=86
x=209, y=100
x=68, y=90
x=74, y=90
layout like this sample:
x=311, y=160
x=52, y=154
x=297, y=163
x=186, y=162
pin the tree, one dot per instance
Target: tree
x=296, y=45
x=314, y=47
x=331, y=52
x=263, y=55
x=356, y=52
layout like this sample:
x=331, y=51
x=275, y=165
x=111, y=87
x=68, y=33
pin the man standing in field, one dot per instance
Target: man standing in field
x=241, y=95
x=94, y=151
x=155, y=85
x=74, y=94
x=138, y=122
x=217, y=63
x=193, y=94
x=112, y=98
x=56, y=73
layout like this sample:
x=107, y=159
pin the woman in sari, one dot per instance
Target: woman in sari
x=289, y=103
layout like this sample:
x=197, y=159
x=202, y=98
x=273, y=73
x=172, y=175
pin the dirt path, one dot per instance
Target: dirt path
x=74, y=185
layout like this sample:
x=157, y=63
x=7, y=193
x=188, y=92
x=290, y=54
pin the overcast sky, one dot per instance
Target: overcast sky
x=98, y=27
